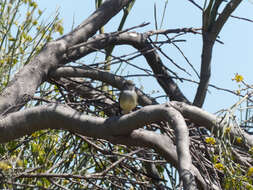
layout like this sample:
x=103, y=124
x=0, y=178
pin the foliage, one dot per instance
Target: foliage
x=22, y=35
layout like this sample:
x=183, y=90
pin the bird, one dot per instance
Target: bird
x=128, y=98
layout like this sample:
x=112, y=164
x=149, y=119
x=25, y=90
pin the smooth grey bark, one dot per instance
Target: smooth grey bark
x=53, y=116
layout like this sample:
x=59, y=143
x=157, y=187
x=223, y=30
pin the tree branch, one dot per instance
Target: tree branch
x=94, y=22
x=211, y=29
x=55, y=116
x=226, y=13
x=211, y=122
x=101, y=75
x=140, y=42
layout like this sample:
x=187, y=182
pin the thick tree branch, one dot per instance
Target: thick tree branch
x=211, y=122
x=28, y=79
x=101, y=75
x=94, y=22
x=211, y=29
x=205, y=71
x=55, y=116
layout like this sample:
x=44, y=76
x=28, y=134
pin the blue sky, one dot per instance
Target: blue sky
x=235, y=56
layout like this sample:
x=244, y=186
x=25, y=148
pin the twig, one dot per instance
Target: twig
x=112, y=34
x=118, y=161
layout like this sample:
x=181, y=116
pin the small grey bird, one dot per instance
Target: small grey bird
x=128, y=98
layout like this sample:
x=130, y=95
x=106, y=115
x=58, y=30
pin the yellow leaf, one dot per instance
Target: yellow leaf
x=40, y=12
x=4, y=165
x=12, y=39
x=239, y=140
x=250, y=171
x=238, y=78
x=219, y=166
x=210, y=140
x=227, y=130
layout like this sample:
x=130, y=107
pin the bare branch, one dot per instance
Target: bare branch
x=224, y=15
x=140, y=42
x=211, y=28
x=55, y=116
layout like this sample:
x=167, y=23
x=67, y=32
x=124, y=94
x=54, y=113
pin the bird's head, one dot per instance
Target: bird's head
x=128, y=85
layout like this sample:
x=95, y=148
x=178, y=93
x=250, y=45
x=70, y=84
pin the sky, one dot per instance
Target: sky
x=234, y=56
